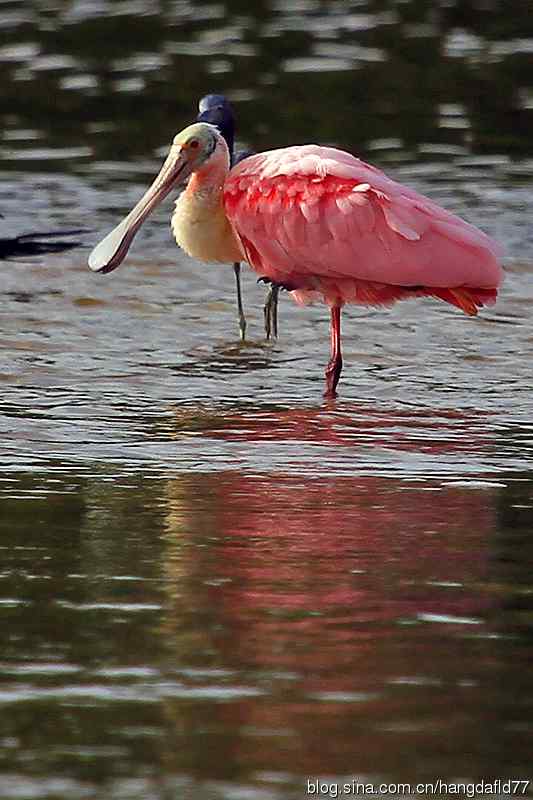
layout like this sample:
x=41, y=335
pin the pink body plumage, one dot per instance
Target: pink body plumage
x=326, y=225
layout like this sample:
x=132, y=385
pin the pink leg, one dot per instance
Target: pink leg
x=334, y=367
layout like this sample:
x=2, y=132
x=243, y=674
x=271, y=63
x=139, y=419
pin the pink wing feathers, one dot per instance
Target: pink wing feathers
x=320, y=220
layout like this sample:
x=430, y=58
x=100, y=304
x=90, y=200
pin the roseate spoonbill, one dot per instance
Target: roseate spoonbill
x=217, y=110
x=319, y=222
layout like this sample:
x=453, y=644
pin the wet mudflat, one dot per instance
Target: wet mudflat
x=214, y=585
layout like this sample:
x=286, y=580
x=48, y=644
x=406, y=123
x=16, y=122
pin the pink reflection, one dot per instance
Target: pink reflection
x=349, y=601
x=422, y=429
x=331, y=558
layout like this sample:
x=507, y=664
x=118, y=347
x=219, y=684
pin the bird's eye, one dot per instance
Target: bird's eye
x=194, y=143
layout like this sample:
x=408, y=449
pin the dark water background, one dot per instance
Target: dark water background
x=212, y=585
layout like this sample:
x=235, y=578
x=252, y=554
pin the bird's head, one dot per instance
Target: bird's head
x=197, y=147
x=217, y=110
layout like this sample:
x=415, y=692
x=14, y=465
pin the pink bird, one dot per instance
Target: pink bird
x=319, y=222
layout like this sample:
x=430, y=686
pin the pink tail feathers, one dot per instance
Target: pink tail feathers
x=368, y=293
x=468, y=300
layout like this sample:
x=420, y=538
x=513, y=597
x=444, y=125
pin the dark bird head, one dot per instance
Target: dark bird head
x=216, y=110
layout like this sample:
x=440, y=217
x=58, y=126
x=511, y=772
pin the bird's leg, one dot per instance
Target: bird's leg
x=271, y=312
x=242, y=318
x=275, y=294
x=334, y=367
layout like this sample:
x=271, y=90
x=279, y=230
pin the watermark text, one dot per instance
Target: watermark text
x=321, y=788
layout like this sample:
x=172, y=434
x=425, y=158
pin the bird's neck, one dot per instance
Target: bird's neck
x=199, y=223
x=207, y=182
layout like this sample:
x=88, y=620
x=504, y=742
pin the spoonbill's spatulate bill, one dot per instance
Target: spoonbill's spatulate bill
x=217, y=110
x=319, y=222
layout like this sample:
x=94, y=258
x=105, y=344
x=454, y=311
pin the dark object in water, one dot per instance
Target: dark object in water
x=32, y=244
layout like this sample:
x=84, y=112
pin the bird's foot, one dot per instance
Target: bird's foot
x=287, y=287
x=333, y=373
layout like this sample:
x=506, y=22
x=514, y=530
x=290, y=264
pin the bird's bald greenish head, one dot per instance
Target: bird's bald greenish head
x=197, y=143
x=195, y=147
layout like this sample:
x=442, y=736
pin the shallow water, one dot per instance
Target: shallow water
x=214, y=585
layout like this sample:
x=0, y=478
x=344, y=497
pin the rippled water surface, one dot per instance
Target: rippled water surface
x=214, y=585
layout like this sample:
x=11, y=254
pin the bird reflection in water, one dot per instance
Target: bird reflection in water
x=319, y=593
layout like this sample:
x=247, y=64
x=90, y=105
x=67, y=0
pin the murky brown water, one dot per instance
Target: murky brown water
x=214, y=586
